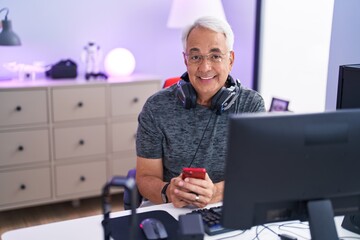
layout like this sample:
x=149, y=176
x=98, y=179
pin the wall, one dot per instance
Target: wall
x=55, y=30
x=345, y=44
x=294, y=52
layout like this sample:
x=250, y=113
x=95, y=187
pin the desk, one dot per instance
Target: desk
x=90, y=228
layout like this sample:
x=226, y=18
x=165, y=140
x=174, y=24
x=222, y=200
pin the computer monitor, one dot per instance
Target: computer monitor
x=348, y=95
x=286, y=166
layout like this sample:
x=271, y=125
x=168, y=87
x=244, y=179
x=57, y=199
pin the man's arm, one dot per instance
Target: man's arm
x=149, y=174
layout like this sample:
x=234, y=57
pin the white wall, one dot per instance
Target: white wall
x=295, y=42
x=345, y=44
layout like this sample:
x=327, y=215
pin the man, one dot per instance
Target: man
x=185, y=125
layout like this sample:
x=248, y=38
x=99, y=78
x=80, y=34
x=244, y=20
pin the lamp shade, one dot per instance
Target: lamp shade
x=185, y=12
x=7, y=36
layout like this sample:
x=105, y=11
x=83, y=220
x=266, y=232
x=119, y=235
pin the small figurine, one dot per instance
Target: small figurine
x=92, y=56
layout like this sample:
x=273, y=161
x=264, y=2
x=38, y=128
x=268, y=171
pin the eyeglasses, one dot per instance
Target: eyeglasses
x=194, y=58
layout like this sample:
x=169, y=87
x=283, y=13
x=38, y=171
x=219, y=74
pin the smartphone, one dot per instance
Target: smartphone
x=194, y=173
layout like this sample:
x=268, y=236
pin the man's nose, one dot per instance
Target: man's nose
x=205, y=64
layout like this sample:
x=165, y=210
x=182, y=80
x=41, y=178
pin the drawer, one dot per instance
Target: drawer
x=24, y=147
x=122, y=166
x=24, y=185
x=80, y=178
x=124, y=136
x=78, y=103
x=129, y=99
x=23, y=107
x=80, y=141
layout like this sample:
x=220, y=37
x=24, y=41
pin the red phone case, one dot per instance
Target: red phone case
x=194, y=173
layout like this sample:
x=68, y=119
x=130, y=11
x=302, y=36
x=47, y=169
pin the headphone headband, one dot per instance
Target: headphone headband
x=220, y=102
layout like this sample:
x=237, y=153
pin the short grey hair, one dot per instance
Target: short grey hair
x=213, y=24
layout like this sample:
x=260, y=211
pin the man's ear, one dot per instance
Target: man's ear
x=185, y=61
x=232, y=58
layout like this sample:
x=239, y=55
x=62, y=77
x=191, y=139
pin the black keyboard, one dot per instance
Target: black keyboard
x=211, y=219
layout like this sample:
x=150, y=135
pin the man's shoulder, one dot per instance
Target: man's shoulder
x=250, y=100
x=248, y=92
x=162, y=98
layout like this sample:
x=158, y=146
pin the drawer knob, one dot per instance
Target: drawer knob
x=22, y=186
x=18, y=108
x=20, y=148
x=135, y=100
x=82, y=178
x=81, y=142
x=80, y=104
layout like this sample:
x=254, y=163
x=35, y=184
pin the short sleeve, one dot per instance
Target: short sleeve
x=149, y=136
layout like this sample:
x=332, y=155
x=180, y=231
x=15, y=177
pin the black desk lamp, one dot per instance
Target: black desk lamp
x=130, y=185
x=7, y=36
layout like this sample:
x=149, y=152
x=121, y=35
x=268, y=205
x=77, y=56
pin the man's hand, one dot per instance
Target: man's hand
x=192, y=191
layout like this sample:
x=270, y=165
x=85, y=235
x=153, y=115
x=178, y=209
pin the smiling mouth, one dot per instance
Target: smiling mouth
x=206, y=78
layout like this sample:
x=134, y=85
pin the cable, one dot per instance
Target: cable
x=202, y=137
x=348, y=237
x=235, y=235
x=288, y=225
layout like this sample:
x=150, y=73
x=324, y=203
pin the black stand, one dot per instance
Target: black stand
x=130, y=185
x=351, y=223
x=321, y=220
x=100, y=75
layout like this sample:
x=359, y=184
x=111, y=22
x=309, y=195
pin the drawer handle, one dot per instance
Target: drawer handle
x=135, y=100
x=18, y=108
x=22, y=187
x=80, y=104
x=81, y=142
x=82, y=178
x=21, y=148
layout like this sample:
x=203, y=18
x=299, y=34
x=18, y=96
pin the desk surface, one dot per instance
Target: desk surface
x=90, y=228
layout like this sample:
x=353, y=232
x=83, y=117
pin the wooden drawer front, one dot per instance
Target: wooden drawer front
x=80, y=141
x=24, y=147
x=122, y=166
x=23, y=107
x=78, y=178
x=24, y=185
x=129, y=99
x=124, y=136
x=78, y=103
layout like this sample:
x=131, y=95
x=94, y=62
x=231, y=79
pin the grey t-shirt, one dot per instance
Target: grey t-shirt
x=168, y=131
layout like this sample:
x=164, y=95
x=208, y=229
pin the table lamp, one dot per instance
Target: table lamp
x=185, y=12
x=7, y=36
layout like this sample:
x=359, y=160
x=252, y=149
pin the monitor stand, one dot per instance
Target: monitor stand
x=321, y=220
x=351, y=223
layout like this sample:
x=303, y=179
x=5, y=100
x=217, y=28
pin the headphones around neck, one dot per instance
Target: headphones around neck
x=220, y=102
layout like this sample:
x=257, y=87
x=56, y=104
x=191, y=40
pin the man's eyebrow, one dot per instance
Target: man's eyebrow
x=215, y=50
x=194, y=50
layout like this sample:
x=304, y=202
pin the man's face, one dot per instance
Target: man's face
x=208, y=74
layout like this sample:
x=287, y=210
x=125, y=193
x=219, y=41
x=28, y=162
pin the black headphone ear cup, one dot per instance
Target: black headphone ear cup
x=225, y=97
x=186, y=94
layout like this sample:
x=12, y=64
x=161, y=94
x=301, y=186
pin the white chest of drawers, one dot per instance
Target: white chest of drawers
x=61, y=140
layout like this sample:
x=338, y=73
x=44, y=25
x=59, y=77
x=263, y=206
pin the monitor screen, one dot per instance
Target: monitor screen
x=348, y=87
x=280, y=164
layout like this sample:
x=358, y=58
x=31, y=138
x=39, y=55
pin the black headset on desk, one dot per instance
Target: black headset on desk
x=220, y=102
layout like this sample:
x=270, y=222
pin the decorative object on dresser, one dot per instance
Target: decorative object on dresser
x=61, y=140
x=63, y=69
x=119, y=62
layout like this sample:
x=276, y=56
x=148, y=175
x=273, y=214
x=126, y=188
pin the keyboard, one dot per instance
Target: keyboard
x=211, y=219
